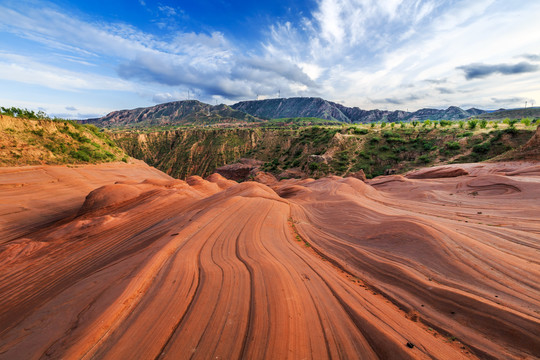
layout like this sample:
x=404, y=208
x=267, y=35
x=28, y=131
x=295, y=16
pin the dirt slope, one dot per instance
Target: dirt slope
x=529, y=151
x=40, y=141
x=401, y=268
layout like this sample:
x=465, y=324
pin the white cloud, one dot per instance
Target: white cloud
x=208, y=62
x=372, y=50
x=26, y=70
x=359, y=51
x=167, y=10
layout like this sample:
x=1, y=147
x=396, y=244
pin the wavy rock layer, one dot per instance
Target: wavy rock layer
x=150, y=267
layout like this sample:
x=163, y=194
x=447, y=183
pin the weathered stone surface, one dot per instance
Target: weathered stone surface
x=360, y=175
x=241, y=170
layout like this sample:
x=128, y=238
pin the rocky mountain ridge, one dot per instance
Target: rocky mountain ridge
x=324, y=109
x=198, y=113
x=177, y=112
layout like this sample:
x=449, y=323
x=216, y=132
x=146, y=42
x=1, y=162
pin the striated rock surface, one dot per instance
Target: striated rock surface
x=437, y=172
x=123, y=262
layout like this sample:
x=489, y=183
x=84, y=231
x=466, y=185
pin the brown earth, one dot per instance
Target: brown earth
x=529, y=151
x=150, y=267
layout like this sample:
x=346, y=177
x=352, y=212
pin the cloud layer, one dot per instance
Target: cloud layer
x=390, y=54
x=477, y=71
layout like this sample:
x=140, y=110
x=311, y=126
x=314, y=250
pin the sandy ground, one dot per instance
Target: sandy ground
x=120, y=261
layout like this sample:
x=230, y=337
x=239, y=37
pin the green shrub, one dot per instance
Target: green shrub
x=80, y=155
x=483, y=123
x=389, y=133
x=526, y=121
x=314, y=166
x=453, y=145
x=512, y=122
x=481, y=148
x=444, y=123
x=471, y=124
x=360, y=131
x=93, y=128
x=428, y=146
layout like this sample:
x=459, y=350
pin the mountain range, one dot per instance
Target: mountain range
x=195, y=112
x=178, y=112
x=324, y=109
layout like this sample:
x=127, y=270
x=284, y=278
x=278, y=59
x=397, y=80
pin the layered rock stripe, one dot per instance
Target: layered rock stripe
x=122, y=261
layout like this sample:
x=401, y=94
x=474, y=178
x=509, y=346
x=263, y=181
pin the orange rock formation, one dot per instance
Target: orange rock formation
x=121, y=261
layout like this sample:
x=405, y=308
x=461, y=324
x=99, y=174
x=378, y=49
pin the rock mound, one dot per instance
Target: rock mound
x=437, y=172
x=360, y=175
x=109, y=195
x=264, y=178
x=241, y=170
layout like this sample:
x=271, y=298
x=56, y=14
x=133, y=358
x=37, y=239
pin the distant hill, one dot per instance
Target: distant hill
x=532, y=112
x=193, y=112
x=320, y=108
x=174, y=113
x=293, y=107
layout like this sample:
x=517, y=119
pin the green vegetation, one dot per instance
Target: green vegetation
x=22, y=113
x=323, y=149
x=299, y=122
x=483, y=124
x=314, y=146
x=526, y=121
x=453, y=145
x=532, y=113
x=40, y=140
x=472, y=124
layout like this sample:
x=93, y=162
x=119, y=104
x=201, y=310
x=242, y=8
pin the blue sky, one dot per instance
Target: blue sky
x=82, y=59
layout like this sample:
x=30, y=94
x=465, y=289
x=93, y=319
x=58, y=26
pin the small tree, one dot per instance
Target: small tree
x=511, y=123
x=472, y=124
x=526, y=121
